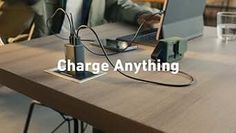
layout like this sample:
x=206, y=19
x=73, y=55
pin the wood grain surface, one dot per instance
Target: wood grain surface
x=116, y=104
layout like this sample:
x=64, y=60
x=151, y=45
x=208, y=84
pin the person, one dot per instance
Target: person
x=43, y=9
x=93, y=13
x=97, y=12
x=88, y=12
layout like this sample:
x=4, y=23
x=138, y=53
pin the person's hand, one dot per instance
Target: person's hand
x=151, y=21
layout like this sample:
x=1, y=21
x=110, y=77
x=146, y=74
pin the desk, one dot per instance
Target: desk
x=116, y=104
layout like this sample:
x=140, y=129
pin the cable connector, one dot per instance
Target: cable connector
x=74, y=40
x=77, y=41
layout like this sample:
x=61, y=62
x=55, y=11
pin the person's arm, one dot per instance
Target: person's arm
x=125, y=10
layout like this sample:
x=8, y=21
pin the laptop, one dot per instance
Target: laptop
x=182, y=18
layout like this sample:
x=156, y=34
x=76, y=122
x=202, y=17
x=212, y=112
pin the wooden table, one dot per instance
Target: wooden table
x=116, y=104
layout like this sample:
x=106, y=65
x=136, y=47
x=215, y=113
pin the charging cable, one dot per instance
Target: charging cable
x=74, y=35
x=131, y=77
x=161, y=12
x=72, y=30
x=71, y=24
x=134, y=37
x=53, y=15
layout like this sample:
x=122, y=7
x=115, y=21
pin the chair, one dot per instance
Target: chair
x=25, y=36
x=65, y=117
x=1, y=42
x=11, y=32
x=20, y=37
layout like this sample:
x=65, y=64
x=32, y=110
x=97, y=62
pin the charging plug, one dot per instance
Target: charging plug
x=74, y=51
x=170, y=49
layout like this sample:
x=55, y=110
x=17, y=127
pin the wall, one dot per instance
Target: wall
x=233, y=3
x=219, y=2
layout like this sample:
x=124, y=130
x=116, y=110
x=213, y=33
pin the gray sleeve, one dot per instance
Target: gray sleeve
x=124, y=10
x=43, y=9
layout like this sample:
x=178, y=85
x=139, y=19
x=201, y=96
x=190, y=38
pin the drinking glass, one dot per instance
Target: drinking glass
x=226, y=25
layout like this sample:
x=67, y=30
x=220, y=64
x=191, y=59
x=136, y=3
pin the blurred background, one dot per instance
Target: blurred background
x=212, y=7
x=20, y=17
x=17, y=23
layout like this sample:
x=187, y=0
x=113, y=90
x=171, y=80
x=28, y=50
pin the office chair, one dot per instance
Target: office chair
x=1, y=42
x=22, y=29
x=27, y=35
x=11, y=32
x=24, y=36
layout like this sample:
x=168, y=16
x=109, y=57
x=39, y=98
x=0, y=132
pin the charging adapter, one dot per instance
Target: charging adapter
x=170, y=49
x=75, y=53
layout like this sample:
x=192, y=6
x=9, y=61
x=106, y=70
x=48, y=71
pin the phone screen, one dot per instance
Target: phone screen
x=116, y=45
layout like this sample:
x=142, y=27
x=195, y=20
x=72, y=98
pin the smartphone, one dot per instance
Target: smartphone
x=115, y=45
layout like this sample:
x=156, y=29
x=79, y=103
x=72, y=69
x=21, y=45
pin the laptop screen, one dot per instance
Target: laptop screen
x=178, y=10
x=183, y=18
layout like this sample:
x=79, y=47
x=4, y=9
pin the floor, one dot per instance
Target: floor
x=13, y=111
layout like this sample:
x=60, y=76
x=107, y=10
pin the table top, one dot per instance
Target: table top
x=116, y=104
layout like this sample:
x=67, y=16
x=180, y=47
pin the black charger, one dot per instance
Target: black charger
x=75, y=53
